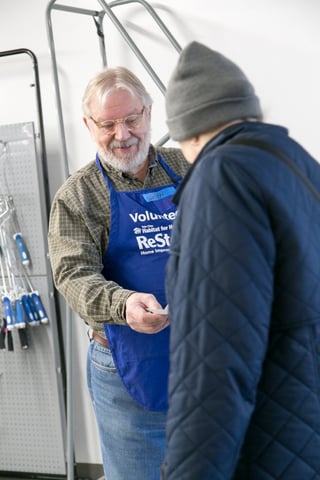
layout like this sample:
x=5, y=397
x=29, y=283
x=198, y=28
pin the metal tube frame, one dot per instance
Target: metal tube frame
x=98, y=16
x=36, y=85
x=40, y=127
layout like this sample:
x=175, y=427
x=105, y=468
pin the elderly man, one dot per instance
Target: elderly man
x=109, y=236
x=243, y=285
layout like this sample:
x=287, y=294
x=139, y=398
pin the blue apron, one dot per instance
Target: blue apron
x=136, y=256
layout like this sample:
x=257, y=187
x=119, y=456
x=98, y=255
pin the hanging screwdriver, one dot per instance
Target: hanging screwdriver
x=17, y=235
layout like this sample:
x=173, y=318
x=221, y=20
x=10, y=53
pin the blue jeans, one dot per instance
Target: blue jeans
x=132, y=439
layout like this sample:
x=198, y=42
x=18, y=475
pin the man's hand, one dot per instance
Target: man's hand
x=137, y=316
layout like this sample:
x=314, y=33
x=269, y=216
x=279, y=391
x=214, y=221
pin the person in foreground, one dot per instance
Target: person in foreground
x=109, y=234
x=242, y=284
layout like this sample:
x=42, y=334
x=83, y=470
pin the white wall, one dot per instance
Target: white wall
x=277, y=43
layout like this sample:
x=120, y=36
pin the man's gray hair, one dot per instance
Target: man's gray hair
x=110, y=79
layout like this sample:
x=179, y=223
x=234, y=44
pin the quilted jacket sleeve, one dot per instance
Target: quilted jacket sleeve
x=219, y=286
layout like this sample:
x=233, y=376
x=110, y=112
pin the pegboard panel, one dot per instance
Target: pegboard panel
x=19, y=178
x=32, y=416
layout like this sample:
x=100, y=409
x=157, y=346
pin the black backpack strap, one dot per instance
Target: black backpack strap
x=278, y=153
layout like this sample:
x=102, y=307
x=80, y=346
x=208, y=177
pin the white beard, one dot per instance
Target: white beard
x=129, y=162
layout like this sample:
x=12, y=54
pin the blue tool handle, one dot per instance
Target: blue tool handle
x=39, y=307
x=23, y=252
x=34, y=310
x=8, y=312
x=29, y=309
x=20, y=320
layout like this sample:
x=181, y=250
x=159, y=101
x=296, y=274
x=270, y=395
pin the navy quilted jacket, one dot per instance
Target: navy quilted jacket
x=243, y=284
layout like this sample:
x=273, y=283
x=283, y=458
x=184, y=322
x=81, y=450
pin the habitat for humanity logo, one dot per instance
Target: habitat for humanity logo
x=152, y=231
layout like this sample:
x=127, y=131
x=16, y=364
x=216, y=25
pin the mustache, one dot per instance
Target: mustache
x=125, y=144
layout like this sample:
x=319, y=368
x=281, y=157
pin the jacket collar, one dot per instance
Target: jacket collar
x=223, y=137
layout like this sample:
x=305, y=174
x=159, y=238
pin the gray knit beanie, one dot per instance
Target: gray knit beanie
x=205, y=91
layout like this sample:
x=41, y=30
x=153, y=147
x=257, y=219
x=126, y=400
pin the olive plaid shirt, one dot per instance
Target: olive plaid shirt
x=78, y=236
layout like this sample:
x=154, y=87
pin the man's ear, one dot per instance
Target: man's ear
x=195, y=141
x=86, y=121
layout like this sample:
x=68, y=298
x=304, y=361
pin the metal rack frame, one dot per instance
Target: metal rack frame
x=36, y=85
x=41, y=273
x=98, y=17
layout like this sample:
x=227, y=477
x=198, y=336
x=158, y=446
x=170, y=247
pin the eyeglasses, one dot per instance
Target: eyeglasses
x=131, y=122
